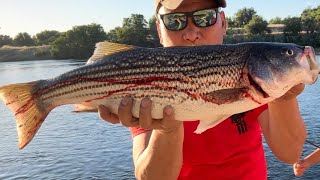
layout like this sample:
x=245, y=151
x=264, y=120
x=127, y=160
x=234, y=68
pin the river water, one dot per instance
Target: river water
x=82, y=146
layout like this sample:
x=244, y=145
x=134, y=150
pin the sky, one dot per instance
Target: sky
x=34, y=16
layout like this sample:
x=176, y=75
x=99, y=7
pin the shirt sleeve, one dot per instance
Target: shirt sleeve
x=260, y=109
x=136, y=131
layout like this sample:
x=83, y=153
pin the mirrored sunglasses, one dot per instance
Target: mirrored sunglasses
x=178, y=20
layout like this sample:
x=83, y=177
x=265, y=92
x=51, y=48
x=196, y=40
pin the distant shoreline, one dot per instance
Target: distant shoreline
x=25, y=53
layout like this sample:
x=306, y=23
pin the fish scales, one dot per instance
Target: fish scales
x=181, y=66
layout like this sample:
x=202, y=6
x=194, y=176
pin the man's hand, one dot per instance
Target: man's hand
x=292, y=93
x=300, y=167
x=167, y=124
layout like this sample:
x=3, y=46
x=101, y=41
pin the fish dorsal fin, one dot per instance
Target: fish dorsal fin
x=106, y=48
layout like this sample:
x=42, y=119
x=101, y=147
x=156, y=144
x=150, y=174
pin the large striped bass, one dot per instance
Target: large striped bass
x=206, y=83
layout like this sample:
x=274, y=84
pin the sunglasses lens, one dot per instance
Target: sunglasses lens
x=175, y=21
x=204, y=18
x=178, y=21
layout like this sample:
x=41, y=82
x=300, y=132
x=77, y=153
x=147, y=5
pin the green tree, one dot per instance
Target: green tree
x=153, y=37
x=114, y=35
x=46, y=37
x=257, y=25
x=312, y=12
x=5, y=40
x=311, y=20
x=293, y=26
x=78, y=43
x=243, y=16
x=231, y=22
x=310, y=25
x=276, y=20
x=134, y=31
x=23, y=39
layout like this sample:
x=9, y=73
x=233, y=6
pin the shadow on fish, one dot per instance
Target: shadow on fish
x=206, y=83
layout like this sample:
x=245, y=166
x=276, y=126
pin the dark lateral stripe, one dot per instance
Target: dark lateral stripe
x=129, y=90
x=112, y=82
x=105, y=78
x=152, y=81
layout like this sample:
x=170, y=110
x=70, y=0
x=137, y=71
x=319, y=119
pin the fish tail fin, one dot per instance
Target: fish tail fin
x=29, y=111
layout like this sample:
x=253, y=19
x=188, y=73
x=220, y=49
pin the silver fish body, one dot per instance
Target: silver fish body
x=206, y=83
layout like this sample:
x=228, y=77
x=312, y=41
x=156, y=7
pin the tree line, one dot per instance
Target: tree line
x=245, y=25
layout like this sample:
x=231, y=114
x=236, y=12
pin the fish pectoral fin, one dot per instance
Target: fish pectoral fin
x=84, y=107
x=106, y=48
x=207, y=124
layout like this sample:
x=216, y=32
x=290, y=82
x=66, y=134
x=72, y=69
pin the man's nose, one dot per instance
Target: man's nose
x=191, y=32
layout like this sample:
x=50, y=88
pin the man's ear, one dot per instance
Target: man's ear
x=224, y=22
x=159, y=31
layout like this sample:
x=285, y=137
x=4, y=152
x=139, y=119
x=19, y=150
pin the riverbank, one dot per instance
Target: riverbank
x=11, y=53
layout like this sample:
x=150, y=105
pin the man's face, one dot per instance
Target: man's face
x=192, y=35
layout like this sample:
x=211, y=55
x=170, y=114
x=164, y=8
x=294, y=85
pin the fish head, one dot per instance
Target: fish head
x=274, y=68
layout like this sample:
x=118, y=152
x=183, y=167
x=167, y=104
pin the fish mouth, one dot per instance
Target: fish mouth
x=257, y=87
x=311, y=58
x=309, y=62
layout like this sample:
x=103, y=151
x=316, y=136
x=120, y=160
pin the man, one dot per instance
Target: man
x=168, y=149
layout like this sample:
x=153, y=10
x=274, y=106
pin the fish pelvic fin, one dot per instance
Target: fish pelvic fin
x=207, y=124
x=28, y=110
x=106, y=48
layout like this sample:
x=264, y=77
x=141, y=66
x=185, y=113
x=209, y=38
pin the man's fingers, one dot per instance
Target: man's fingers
x=299, y=168
x=301, y=164
x=298, y=173
x=168, y=123
x=125, y=114
x=145, y=114
x=168, y=114
x=106, y=115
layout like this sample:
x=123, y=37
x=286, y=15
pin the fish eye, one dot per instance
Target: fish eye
x=289, y=52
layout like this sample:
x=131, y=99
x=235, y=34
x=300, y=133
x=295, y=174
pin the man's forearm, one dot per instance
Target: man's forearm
x=287, y=129
x=313, y=158
x=162, y=159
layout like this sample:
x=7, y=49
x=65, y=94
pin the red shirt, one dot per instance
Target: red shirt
x=231, y=150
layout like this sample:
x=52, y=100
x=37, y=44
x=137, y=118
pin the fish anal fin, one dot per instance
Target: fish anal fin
x=29, y=113
x=106, y=48
x=207, y=124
